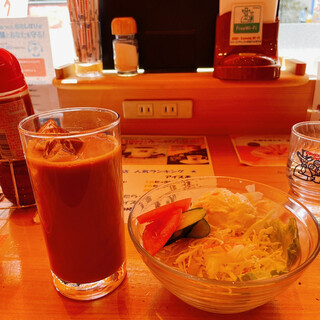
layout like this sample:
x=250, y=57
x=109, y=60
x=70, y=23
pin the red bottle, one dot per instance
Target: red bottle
x=15, y=105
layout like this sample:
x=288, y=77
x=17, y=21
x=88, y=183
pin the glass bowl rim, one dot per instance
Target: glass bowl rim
x=225, y=283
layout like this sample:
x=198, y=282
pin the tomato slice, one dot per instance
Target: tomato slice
x=158, y=232
x=162, y=211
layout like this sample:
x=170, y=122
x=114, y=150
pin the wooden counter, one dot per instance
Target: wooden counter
x=218, y=107
x=27, y=292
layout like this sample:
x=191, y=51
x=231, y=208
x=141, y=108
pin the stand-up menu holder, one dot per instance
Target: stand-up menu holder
x=246, y=46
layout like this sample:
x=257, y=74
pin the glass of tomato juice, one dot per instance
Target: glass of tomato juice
x=74, y=162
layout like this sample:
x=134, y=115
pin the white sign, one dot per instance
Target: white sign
x=13, y=8
x=28, y=40
x=246, y=25
x=269, y=7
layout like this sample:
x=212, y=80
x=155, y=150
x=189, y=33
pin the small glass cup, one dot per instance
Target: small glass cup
x=76, y=174
x=86, y=37
x=303, y=167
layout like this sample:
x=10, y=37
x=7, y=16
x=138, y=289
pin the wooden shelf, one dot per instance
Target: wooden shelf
x=219, y=107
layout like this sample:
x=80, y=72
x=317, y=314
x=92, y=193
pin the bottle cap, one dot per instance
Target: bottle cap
x=11, y=76
x=123, y=25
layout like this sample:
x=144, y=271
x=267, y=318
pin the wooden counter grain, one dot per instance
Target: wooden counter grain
x=219, y=107
x=27, y=292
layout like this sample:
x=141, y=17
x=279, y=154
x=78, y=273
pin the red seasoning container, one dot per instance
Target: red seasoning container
x=15, y=105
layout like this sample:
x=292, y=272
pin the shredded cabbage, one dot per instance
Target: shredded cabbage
x=247, y=239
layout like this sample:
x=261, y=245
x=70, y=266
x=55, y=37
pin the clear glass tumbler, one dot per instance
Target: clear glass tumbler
x=87, y=44
x=303, y=168
x=74, y=162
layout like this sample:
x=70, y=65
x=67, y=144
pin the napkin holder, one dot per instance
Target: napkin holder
x=246, y=62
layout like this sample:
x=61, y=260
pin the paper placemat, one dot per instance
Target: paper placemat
x=262, y=150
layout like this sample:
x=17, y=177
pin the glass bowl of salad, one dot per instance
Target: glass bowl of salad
x=223, y=244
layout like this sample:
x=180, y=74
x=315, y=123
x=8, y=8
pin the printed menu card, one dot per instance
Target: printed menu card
x=149, y=161
x=262, y=150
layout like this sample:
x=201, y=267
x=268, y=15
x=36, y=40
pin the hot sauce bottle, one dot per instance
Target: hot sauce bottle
x=15, y=105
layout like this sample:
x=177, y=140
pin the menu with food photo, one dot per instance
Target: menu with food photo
x=149, y=161
x=262, y=150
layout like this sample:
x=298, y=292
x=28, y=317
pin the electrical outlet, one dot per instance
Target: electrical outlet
x=145, y=109
x=169, y=109
x=157, y=109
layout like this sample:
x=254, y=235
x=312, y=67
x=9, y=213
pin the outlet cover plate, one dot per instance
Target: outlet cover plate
x=161, y=109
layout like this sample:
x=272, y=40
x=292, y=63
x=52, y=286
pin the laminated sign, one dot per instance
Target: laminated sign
x=246, y=24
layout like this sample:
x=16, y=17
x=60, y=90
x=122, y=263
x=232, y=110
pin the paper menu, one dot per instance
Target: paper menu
x=262, y=150
x=149, y=161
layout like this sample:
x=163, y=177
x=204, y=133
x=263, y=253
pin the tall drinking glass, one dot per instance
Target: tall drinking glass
x=303, y=169
x=76, y=174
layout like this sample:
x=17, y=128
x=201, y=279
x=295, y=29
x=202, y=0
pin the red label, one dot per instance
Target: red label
x=11, y=113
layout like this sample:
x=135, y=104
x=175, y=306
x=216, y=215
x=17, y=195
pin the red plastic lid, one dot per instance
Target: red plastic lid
x=11, y=76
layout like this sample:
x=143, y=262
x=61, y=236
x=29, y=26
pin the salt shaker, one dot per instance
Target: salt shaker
x=125, y=46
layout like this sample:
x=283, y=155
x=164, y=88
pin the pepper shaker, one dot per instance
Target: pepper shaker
x=125, y=46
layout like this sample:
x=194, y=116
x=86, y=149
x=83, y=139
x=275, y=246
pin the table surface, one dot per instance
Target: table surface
x=27, y=292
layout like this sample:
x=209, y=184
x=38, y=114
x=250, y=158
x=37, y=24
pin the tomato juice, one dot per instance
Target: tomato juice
x=79, y=200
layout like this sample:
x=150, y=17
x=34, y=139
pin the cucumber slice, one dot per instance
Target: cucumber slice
x=190, y=217
x=179, y=234
x=189, y=220
x=200, y=230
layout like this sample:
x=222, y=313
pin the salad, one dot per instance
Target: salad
x=223, y=236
